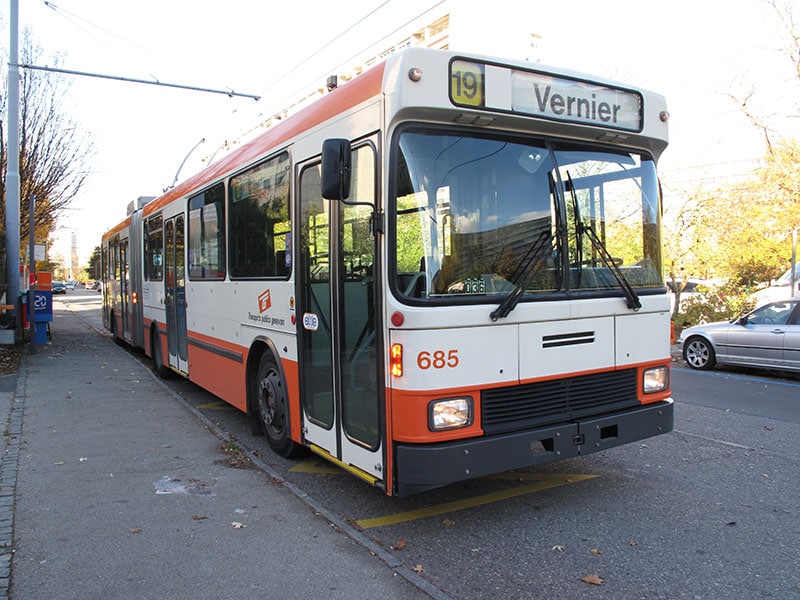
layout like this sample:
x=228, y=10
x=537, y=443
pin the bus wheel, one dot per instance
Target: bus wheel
x=272, y=404
x=159, y=368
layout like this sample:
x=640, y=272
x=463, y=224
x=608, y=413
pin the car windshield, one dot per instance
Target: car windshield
x=786, y=278
x=481, y=216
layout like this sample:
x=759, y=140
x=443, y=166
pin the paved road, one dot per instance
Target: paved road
x=709, y=511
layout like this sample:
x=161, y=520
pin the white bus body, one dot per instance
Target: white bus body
x=486, y=296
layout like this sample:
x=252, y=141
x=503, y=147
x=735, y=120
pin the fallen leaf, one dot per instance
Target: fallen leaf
x=199, y=517
x=592, y=579
x=633, y=543
x=558, y=548
x=136, y=530
x=237, y=525
x=596, y=552
x=399, y=545
x=448, y=522
x=417, y=569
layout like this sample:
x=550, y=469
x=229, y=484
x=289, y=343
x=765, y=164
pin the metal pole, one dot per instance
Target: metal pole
x=32, y=288
x=12, y=176
x=793, y=276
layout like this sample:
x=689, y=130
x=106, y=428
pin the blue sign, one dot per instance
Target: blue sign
x=43, y=305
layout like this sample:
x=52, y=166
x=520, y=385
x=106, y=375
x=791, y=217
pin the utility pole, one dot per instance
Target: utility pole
x=12, y=176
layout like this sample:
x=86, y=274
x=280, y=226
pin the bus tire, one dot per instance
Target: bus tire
x=159, y=368
x=272, y=408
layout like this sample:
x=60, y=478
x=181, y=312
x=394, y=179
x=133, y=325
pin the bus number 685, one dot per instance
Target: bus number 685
x=438, y=359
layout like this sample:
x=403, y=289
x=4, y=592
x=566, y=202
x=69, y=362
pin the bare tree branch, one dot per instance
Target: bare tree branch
x=54, y=151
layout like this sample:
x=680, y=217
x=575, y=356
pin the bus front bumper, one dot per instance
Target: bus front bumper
x=422, y=467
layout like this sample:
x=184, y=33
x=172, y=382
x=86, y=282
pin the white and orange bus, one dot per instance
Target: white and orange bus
x=446, y=268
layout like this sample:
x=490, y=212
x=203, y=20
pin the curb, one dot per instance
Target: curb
x=8, y=478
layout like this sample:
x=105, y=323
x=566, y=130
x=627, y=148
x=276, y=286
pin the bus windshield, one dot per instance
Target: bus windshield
x=481, y=215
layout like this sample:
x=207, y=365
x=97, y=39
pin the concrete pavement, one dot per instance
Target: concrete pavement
x=111, y=487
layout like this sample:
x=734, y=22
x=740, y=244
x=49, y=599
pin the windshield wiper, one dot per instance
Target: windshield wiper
x=523, y=273
x=631, y=298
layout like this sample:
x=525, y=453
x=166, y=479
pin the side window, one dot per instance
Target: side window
x=260, y=239
x=154, y=249
x=207, y=234
x=772, y=314
x=114, y=271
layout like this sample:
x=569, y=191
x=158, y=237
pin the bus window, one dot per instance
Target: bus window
x=206, y=234
x=468, y=211
x=259, y=220
x=615, y=197
x=479, y=216
x=154, y=249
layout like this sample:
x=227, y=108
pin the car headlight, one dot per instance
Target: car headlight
x=655, y=380
x=449, y=413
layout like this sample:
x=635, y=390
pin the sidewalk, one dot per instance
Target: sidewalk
x=121, y=493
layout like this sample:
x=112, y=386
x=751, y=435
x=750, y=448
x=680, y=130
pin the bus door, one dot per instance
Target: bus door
x=124, y=290
x=175, y=293
x=338, y=329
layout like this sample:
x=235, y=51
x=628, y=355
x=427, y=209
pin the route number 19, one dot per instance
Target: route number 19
x=466, y=83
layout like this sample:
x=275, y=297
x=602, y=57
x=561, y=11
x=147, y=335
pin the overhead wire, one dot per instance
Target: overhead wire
x=323, y=47
x=73, y=19
x=311, y=82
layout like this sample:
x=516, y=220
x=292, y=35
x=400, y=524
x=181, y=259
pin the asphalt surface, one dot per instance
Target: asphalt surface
x=112, y=487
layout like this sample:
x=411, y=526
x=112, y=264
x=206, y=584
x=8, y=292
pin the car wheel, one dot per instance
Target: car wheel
x=699, y=354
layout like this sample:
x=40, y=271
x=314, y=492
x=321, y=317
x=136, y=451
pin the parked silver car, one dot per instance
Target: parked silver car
x=767, y=337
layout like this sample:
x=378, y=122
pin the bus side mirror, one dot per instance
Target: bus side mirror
x=336, y=169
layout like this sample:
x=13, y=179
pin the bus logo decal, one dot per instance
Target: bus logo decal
x=264, y=301
x=310, y=321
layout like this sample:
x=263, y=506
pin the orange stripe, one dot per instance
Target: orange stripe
x=291, y=372
x=409, y=408
x=410, y=416
x=388, y=478
x=222, y=376
x=116, y=229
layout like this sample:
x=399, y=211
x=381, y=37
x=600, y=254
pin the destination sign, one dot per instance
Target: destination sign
x=545, y=96
x=575, y=101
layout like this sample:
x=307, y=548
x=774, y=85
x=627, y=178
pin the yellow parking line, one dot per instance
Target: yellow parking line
x=319, y=466
x=545, y=482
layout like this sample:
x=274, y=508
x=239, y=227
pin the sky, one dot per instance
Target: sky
x=694, y=52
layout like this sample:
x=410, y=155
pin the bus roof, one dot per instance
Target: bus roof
x=499, y=109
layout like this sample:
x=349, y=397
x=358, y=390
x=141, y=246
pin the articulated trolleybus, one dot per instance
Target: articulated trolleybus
x=446, y=268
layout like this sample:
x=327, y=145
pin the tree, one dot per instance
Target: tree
x=94, y=270
x=742, y=231
x=54, y=152
x=785, y=14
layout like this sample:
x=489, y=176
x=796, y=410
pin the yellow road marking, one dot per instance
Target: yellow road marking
x=544, y=482
x=317, y=465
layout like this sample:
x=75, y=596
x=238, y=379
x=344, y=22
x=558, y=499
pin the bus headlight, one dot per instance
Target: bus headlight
x=655, y=380
x=449, y=413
